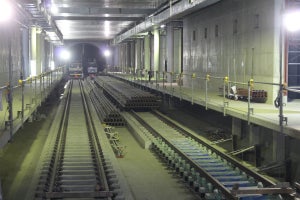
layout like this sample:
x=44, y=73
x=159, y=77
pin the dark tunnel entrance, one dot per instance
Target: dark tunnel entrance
x=87, y=54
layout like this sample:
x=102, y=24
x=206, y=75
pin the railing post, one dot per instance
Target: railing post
x=171, y=74
x=35, y=88
x=225, y=103
x=250, y=84
x=156, y=75
x=206, y=89
x=22, y=87
x=193, y=77
x=180, y=83
x=164, y=80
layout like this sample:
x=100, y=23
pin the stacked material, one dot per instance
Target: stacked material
x=107, y=112
x=126, y=96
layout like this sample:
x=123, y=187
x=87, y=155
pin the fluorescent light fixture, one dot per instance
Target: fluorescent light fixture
x=65, y=54
x=106, y=53
x=162, y=26
x=107, y=33
x=54, y=9
x=32, y=68
x=107, y=28
x=5, y=10
x=52, y=65
x=291, y=21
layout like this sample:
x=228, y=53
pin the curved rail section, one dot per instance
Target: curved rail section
x=211, y=173
x=76, y=168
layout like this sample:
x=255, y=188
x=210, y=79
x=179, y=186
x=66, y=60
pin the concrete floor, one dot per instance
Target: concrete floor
x=148, y=177
x=18, y=158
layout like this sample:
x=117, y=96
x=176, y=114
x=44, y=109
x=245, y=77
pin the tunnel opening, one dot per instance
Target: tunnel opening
x=88, y=55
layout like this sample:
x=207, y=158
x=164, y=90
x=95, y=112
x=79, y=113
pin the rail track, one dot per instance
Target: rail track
x=206, y=170
x=76, y=168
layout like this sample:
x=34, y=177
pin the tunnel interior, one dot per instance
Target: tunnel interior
x=88, y=55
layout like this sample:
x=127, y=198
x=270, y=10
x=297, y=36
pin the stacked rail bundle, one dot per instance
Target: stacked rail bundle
x=259, y=96
x=127, y=96
x=106, y=111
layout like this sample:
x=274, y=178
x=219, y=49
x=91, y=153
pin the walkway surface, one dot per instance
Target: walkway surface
x=25, y=100
x=263, y=114
x=148, y=177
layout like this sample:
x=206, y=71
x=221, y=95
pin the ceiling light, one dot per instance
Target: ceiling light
x=107, y=33
x=5, y=11
x=54, y=9
x=291, y=21
x=106, y=53
x=65, y=54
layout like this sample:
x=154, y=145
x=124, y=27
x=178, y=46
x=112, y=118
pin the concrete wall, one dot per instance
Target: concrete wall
x=224, y=40
x=22, y=48
x=10, y=34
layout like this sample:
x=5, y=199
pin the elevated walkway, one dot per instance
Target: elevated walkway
x=262, y=114
x=26, y=99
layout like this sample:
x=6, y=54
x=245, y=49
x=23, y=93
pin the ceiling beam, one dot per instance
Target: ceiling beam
x=101, y=10
x=97, y=18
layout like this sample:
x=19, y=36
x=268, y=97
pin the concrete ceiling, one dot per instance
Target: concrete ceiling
x=100, y=19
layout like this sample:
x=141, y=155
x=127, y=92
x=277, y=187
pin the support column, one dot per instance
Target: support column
x=25, y=53
x=33, y=50
x=162, y=52
x=156, y=51
x=236, y=131
x=39, y=50
x=170, y=50
x=177, y=50
x=279, y=148
x=138, y=54
x=132, y=56
x=254, y=134
x=147, y=52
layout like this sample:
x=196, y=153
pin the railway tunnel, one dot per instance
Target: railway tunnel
x=169, y=100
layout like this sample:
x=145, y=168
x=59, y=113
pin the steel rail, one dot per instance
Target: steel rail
x=227, y=193
x=62, y=128
x=217, y=183
x=250, y=172
x=62, y=164
x=92, y=133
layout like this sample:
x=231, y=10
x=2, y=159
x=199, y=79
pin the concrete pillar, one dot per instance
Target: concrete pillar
x=156, y=51
x=132, y=56
x=39, y=51
x=254, y=134
x=33, y=50
x=177, y=50
x=138, y=54
x=162, y=52
x=25, y=53
x=125, y=56
x=237, y=127
x=279, y=147
x=147, y=52
x=51, y=57
x=170, y=49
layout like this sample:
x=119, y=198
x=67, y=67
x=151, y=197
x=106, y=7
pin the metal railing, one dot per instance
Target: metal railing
x=25, y=96
x=199, y=88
